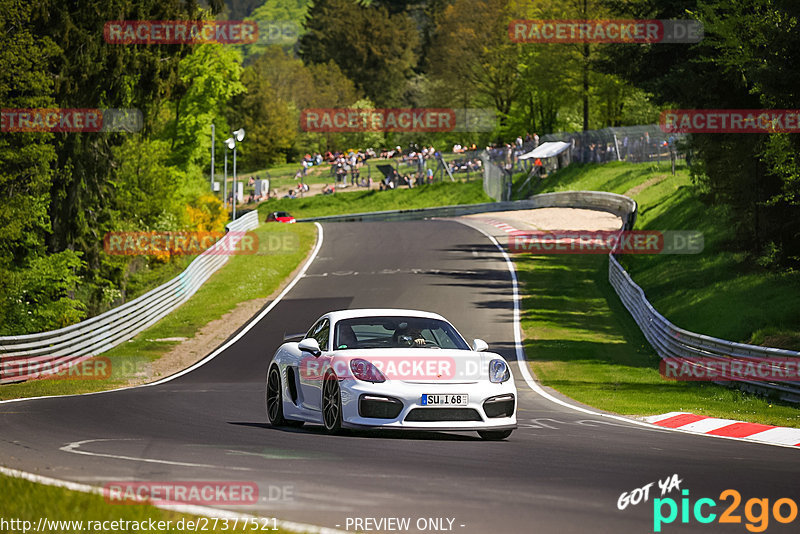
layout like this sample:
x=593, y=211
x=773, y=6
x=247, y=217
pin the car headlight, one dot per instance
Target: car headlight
x=498, y=371
x=366, y=371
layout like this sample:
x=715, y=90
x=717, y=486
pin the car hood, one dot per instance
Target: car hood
x=423, y=365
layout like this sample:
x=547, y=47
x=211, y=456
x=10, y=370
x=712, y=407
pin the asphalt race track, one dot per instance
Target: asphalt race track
x=562, y=471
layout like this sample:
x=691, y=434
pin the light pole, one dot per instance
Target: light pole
x=225, y=185
x=212, y=157
x=238, y=135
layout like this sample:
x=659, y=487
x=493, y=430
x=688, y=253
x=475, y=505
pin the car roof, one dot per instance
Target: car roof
x=380, y=312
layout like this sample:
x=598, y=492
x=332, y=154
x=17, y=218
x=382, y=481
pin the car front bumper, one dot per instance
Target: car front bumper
x=414, y=416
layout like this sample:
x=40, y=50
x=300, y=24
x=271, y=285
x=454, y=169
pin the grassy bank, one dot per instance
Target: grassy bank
x=719, y=292
x=27, y=501
x=242, y=278
x=583, y=342
x=426, y=196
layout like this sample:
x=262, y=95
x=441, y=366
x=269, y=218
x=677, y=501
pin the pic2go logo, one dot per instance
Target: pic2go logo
x=757, y=511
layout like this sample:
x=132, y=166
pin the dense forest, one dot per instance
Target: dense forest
x=63, y=191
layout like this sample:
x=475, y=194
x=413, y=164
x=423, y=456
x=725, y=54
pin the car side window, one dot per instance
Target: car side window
x=321, y=332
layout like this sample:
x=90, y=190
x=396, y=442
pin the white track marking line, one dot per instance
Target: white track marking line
x=523, y=365
x=220, y=349
x=74, y=449
x=191, y=509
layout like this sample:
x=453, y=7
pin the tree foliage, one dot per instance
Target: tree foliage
x=374, y=48
x=34, y=287
x=746, y=60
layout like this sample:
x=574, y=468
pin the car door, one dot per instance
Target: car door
x=313, y=367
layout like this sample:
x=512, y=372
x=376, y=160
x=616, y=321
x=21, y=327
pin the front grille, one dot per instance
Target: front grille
x=379, y=407
x=443, y=414
x=500, y=406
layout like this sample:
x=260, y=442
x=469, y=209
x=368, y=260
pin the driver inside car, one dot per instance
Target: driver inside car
x=408, y=337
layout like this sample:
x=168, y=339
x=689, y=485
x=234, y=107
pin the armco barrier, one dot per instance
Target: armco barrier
x=21, y=356
x=619, y=205
x=673, y=343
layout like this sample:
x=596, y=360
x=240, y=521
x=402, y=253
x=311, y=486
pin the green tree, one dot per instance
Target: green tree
x=375, y=49
x=280, y=23
x=265, y=110
x=472, y=58
x=209, y=78
x=746, y=61
x=35, y=288
x=279, y=87
x=91, y=73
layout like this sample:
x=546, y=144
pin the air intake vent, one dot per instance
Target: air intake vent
x=443, y=414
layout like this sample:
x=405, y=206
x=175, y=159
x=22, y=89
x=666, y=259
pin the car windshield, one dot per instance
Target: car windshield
x=282, y=214
x=396, y=332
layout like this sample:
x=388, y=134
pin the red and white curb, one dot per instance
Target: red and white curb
x=507, y=228
x=728, y=428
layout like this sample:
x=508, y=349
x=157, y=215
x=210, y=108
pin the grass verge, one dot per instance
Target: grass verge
x=242, y=278
x=582, y=341
x=27, y=501
x=719, y=292
x=426, y=196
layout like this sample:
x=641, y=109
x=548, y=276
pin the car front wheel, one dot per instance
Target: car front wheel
x=274, y=401
x=331, y=405
x=274, y=398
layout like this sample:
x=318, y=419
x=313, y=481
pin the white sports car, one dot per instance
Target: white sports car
x=388, y=368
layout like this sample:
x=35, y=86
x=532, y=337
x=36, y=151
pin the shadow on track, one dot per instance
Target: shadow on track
x=371, y=434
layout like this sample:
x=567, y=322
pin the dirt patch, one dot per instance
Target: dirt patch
x=788, y=341
x=210, y=336
x=635, y=190
x=557, y=219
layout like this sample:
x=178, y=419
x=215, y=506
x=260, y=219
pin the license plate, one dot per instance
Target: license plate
x=449, y=399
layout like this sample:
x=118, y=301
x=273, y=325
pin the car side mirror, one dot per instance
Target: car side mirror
x=480, y=345
x=309, y=344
